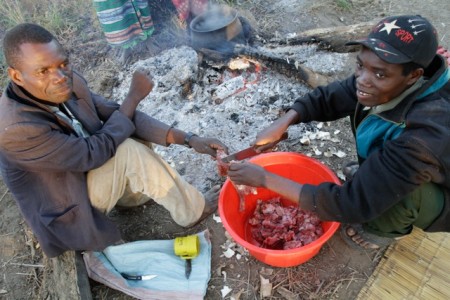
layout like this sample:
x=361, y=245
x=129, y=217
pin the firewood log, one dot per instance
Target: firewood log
x=332, y=38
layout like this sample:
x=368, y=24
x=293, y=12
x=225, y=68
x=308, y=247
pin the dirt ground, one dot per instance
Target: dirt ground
x=337, y=272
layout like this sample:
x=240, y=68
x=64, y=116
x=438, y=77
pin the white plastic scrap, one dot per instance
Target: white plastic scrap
x=340, y=154
x=323, y=135
x=333, y=151
x=317, y=152
x=225, y=291
x=217, y=218
x=341, y=175
x=328, y=153
x=266, y=287
x=229, y=253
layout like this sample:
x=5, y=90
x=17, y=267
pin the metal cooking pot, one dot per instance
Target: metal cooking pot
x=216, y=29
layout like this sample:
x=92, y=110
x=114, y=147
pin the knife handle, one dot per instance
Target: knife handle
x=188, y=268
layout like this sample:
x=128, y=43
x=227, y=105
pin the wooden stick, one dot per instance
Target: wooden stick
x=4, y=194
x=28, y=265
x=333, y=38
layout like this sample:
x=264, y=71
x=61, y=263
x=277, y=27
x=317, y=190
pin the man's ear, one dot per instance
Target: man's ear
x=415, y=75
x=15, y=76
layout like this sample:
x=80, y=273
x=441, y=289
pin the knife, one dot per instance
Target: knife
x=249, y=152
x=138, y=277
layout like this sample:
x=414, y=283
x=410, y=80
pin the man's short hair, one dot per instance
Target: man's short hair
x=21, y=34
x=409, y=67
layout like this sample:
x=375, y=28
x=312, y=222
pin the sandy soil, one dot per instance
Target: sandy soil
x=337, y=272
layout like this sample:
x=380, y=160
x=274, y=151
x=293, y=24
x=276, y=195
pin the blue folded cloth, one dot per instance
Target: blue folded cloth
x=152, y=257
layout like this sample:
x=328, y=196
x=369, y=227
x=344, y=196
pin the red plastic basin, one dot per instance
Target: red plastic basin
x=296, y=167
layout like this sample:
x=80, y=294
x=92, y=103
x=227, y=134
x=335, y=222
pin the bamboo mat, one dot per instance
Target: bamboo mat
x=415, y=267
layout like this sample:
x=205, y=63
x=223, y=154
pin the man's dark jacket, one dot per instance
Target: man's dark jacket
x=44, y=163
x=418, y=152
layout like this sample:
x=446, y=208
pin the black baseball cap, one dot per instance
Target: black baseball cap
x=402, y=39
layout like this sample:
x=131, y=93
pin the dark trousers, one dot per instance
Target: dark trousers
x=420, y=209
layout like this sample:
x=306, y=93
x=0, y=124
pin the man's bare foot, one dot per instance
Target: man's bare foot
x=211, y=200
x=211, y=203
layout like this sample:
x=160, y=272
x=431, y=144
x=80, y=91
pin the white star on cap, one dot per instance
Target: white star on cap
x=389, y=26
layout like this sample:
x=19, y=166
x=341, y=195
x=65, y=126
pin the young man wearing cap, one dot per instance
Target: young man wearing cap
x=398, y=102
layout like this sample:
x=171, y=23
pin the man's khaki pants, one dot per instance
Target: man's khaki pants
x=135, y=175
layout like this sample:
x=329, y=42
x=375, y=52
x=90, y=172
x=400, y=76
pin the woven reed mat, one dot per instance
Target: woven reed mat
x=415, y=267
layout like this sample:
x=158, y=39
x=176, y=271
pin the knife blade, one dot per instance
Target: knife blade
x=243, y=154
x=138, y=277
x=249, y=152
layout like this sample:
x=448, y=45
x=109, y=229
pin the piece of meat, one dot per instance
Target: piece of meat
x=222, y=166
x=275, y=226
x=242, y=190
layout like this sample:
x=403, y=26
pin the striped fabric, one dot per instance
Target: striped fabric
x=125, y=23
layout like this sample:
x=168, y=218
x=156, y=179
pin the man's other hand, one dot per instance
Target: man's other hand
x=207, y=145
x=141, y=86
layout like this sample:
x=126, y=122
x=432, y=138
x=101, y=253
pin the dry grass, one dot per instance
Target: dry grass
x=63, y=18
x=59, y=16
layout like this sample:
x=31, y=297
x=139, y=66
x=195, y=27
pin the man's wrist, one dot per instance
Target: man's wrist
x=187, y=139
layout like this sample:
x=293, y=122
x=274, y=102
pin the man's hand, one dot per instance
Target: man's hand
x=141, y=86
x=254, y=175
x=247, y=174
x=268, y=146
x=207, y=145
x=270, y=136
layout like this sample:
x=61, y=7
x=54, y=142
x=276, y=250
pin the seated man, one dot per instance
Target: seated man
x=69, y=156
x=398, y=101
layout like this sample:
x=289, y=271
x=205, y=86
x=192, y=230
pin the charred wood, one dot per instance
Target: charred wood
x=290, y=68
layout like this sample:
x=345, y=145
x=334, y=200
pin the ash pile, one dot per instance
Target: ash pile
x=234, y=96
